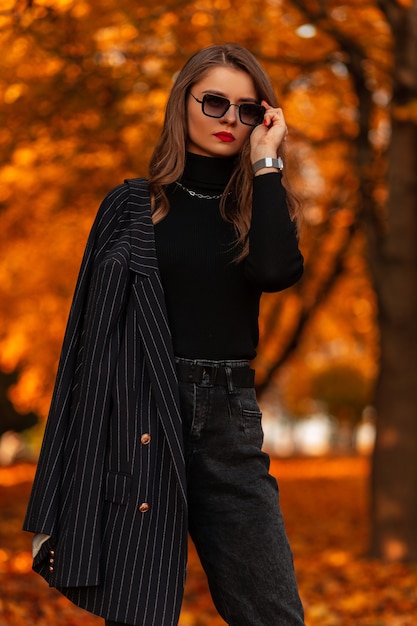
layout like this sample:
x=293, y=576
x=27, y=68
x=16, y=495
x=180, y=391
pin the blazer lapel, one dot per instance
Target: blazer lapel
x=153, y=323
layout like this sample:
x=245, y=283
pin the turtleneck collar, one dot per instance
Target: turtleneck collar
x=201, y=172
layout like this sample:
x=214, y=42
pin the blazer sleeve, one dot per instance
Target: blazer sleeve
x=44, y=503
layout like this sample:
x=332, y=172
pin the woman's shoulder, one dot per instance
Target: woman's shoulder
x=123, y=206
x=115, y=202
x=138, y=193
x=136, y=183
x=120, y=193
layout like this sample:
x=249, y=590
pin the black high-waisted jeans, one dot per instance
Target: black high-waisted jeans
x=235, y=520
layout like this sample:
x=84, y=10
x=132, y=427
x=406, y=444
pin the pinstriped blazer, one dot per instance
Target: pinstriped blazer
x=110, y=483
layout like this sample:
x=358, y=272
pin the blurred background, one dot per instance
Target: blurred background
x=83, y=86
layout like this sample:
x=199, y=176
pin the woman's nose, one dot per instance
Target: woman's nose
x=231, y=115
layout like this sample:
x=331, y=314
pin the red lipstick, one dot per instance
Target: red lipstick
x=223, y=136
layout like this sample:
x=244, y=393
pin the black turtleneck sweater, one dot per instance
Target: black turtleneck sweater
x=212, y=301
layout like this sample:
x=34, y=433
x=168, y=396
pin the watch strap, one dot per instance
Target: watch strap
x=268, y=162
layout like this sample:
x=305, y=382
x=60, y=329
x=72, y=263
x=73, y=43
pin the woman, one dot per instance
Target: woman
x=154, y=426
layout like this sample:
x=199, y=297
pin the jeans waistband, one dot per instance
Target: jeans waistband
x=208, y=373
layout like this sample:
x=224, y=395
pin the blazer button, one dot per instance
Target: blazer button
x=144, y=507
x=145, y=439
x=51, y=569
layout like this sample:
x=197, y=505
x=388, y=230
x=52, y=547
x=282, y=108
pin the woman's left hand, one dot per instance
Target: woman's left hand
x=266, y=138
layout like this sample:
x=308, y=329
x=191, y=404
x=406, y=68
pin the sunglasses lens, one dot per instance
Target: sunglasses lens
x=251, y=114
x=215, y=106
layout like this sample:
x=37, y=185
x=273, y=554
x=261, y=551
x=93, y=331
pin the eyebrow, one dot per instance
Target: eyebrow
x=214, y=92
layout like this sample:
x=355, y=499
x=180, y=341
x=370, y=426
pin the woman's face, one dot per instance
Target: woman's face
x=224, y=136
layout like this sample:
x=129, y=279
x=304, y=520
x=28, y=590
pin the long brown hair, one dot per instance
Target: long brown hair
x=168, y=159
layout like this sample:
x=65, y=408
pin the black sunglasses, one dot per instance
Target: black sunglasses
x=250, y=113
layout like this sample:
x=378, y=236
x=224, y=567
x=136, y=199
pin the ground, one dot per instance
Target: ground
x=325, y=503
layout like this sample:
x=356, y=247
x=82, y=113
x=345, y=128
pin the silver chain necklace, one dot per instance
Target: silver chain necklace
x=202, y=196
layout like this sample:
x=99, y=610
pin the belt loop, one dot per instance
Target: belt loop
x=206, y=378
x=230, y=388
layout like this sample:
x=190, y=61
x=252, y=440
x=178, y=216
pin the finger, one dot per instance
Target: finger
x=266, y=105
x=273, y=115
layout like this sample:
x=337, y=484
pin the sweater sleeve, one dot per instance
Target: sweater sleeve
x=274, y=261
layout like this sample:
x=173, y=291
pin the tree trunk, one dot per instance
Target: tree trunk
x=394, y=470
